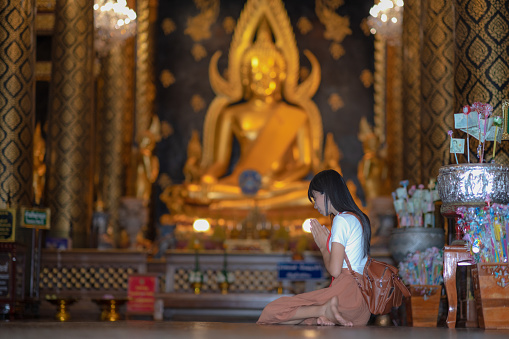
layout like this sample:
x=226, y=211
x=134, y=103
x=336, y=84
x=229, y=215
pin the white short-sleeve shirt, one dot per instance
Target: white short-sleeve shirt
x=347, y=230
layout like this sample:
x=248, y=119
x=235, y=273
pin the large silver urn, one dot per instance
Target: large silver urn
x=405, y=240
x=471, y=185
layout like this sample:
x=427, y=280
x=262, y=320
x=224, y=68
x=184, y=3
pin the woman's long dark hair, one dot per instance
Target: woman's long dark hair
x=331, y=183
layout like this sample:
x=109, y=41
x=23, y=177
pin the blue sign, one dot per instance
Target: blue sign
x=297, y=270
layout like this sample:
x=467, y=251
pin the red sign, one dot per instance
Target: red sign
x=140, y=290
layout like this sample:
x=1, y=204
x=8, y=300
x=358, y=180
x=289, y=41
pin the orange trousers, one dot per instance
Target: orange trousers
x=351, y=303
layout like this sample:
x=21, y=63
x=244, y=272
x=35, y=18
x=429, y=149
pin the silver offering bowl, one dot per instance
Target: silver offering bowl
x=471, y=185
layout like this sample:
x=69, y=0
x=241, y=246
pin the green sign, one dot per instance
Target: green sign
x=35, y=218
x=7, y=225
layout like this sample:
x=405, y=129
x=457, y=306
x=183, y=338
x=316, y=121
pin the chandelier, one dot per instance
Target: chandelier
x=386, y=19
x=113, y=22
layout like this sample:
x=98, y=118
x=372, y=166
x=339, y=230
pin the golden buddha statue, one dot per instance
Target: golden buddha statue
x=331, y=155
x=263, y=107
x=39, y=172
x=147, y=168
x=373, y=170
x=192, y=170
x=275, y=137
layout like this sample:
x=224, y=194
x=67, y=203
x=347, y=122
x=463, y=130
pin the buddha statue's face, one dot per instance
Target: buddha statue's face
x=265, y=76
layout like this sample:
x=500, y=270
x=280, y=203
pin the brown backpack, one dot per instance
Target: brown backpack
x=381, y=287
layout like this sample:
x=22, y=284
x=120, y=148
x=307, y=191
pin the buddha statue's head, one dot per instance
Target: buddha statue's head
x=263, y=66
x=367, y=136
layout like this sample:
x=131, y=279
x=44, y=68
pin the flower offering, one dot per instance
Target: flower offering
x=478, y=121
x=415, y=206
x=423, y=268
x=486, y=231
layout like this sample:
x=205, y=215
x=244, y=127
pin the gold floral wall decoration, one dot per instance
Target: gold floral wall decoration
x=335, y=102
x=336, y=50
x=198, y=27
x=304, y=25
x=337, y=27
x=198, y=51
x=365, y=27
x=168, y=26
x=367, y=78
x=197, y=103
x=229, y=24
x=167, y=79
x=166, y=129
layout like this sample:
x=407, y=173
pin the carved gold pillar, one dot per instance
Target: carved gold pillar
x=17, y=104
x=394, y=111
x=437, y=85
x=115, y=107
x=482, y=61
x=144, y=83
x=145, y=90
x=128, y=118
x=411, y=39
x=379, y=89
x=71, y=120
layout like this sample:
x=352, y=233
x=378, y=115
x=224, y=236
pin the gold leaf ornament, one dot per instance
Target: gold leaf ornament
x=336, y=27
x=228, y=24
x=367, y=78
x=365, y=27
x=336, y=50
x=197, y=103
x=198, y=27
x=335, y=102
x=167, y=79
x=304, y=25
x=198, y=51
x=168, y=26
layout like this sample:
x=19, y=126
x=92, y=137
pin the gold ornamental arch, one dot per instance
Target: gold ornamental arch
x=230, y=91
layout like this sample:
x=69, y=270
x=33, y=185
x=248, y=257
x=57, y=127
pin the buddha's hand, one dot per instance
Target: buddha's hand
x=208, y=179
x=320, y=234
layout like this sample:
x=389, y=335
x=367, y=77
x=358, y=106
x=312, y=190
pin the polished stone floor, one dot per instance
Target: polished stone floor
x=222, y=330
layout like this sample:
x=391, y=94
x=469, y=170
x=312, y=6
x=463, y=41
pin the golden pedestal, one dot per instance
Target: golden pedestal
x=109, y=308
x=62, y=304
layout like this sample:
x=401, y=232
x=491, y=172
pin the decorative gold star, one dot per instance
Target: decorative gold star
x=166, y=78
x=198, y=27
x=199, y=52
x=366, y=78
x=168, y=26
x=335, y=102
x=336, y=50
x=336, y=27
x=229, y=24
x=197, y=103
x=304, y=25
x=365, y=27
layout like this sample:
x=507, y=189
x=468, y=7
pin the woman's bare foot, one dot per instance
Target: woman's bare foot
x=332, y=313
x=323, y=321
